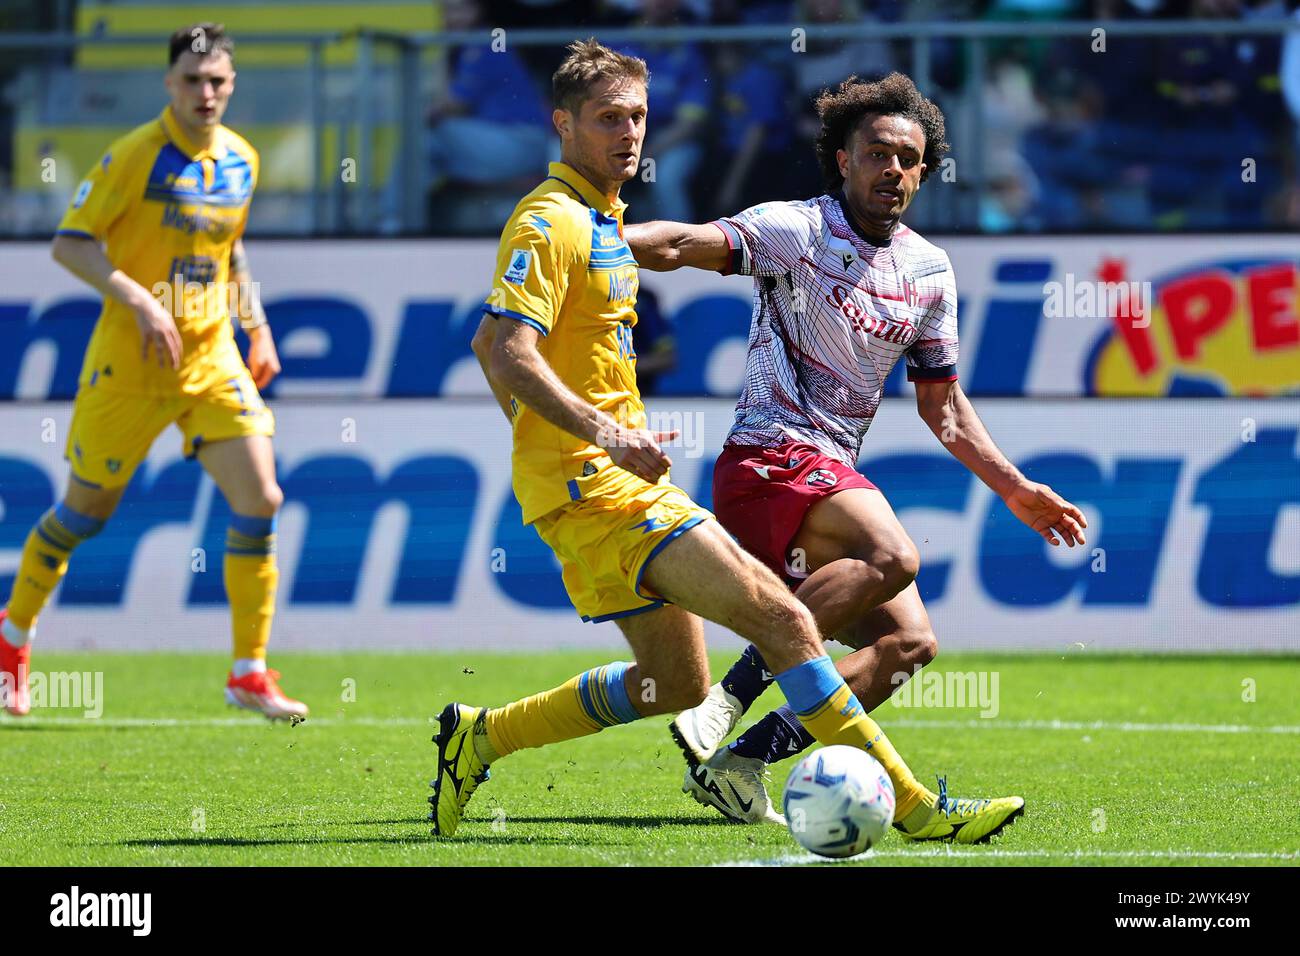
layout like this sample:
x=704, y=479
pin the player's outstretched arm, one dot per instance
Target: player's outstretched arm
x=951, y=416
x=519, y=367
x=85, y=259
x=263, y=359
x=662, y=246
x=484, y=339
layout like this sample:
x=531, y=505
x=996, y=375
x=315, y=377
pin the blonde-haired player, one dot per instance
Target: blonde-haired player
x=163, y=211
x=556, y=345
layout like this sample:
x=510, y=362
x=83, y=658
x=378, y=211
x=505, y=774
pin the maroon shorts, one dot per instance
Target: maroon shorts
x=760, y=495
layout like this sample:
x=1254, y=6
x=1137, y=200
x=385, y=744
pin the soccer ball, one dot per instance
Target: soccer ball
x=839, y=801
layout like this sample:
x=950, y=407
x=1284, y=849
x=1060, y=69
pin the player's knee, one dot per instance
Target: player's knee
x=898, y=564
x=266, y=502
x=921, y=647
x=793, y=621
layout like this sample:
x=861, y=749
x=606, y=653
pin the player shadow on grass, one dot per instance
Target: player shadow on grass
x=198, y=841
x=641, y=823
x=11, y=726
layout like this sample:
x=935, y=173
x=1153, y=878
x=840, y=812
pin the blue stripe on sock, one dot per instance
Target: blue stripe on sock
x=588, y=699
x=603, y=695
x=83, y=526
x=58, y=546
x=616, y=691
x=237, y=543
x=252, y=526
x=808, y=684
x=50, y=529
x=597, y=687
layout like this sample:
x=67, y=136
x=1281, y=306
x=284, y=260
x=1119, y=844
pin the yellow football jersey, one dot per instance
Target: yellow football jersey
x=564, y=268
x=163, y=207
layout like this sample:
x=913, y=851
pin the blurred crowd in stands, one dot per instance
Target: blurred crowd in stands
x=1157, y=132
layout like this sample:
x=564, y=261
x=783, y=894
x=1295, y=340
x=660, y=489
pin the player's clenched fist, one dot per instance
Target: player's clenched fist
x=263, y=359
x=637, y=450
x=158, y=330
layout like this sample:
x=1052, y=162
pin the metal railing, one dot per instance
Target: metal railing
x=340, y=100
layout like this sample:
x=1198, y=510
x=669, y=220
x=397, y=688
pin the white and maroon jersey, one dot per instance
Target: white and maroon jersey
x=833, y=314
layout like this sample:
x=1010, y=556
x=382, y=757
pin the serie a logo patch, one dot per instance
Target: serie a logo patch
x=83, y=193
x=517, y=271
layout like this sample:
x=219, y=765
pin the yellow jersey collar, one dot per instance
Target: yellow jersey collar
x=184, y=143
x=592, y=196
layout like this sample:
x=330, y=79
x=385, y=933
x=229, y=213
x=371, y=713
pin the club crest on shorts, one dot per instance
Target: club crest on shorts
x=821, y=478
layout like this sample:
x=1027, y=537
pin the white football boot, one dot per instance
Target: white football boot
x=702, y=729
x=734, y=786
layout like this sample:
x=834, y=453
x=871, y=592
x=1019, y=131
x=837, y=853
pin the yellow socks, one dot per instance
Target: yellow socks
x=251, y=576
x=831, y=713
x=589, y=702
x=45, y=559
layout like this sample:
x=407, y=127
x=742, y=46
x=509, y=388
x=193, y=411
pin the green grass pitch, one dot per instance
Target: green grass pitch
x=1122, y=761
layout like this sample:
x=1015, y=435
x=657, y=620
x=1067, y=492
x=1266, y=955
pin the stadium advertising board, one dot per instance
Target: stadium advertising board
x=400, y=529
x=1218, y=316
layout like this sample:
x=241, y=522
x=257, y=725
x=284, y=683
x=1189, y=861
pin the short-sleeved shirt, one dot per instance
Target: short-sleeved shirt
x=833, y=314
x=564, y=268
x=163, y=207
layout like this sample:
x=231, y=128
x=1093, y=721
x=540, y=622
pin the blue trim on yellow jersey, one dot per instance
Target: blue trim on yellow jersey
x=573, y=189
x=194, y=199
x=610, y=617
x=685, y=526
x=612, y=266
x=74, y=232
x=574, y=493
x=496, y=312
x=174, y=177
x=82, y=481
x=608, y=248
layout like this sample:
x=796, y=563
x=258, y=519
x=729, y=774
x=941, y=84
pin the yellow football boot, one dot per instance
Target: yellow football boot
x=965, y=821
x=460, y=770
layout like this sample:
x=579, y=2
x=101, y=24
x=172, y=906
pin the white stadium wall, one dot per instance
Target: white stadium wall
x=400, y=529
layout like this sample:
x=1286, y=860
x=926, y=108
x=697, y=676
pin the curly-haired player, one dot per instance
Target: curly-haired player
x=842, y=291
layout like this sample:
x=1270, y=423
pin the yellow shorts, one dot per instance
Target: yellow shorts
x=605, y=539
x=112, y=431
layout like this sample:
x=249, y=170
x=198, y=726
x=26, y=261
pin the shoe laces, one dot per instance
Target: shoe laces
x=948, y=806
x=718, y=720
x=762, y=774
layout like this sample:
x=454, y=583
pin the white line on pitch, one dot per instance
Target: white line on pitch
x=1070, y=725
x=799, y=859
x=1123, y=726
x=249, y=721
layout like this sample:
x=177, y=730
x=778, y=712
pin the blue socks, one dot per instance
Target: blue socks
x=748, y=677
x=777, y=736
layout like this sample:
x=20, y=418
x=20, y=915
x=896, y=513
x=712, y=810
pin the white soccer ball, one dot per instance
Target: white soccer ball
x=839, y=801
